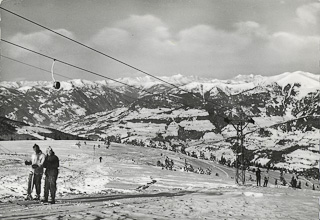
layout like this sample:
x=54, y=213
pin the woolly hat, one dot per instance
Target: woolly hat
x=49, y=149
x=36, y=146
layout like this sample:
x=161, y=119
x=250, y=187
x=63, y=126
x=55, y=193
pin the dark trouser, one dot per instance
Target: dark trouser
x=258, y=181
x=50, y=184
x=34, y=180
x=265, y=184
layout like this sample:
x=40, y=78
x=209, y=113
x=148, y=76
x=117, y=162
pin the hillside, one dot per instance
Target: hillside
x=15, y=130
x=39, y=103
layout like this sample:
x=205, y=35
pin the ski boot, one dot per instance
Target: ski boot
x=45, y=200
x=29, y=197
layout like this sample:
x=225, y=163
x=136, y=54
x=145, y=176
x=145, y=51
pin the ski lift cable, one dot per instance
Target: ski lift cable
x=102, y=53
x=2, y=147
x=72, y=65
x=2, y=150
x=27, y=64
x=18, y=61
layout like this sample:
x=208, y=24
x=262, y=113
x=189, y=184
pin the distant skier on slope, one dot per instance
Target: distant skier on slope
x=293, y=182
x=51, y=164
x=266, y=179
x=171, y=164
x=167, y=162
x=258, y=176
x=36, y=172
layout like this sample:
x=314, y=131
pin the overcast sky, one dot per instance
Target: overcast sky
x=206, y=38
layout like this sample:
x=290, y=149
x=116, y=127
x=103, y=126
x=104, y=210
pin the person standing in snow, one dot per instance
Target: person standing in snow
x=36, y=172
x=51, y=164
x=167, y=162
x=293, y=182
x=258, y=177
x=266, y=179
x=171, y=164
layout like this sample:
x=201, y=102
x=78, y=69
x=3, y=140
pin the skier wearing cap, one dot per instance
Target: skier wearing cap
x=51, y=164
x=36, y=172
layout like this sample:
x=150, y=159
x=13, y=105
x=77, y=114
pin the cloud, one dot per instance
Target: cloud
x=147, y=36
x=42, y=41
x=251, y=29
x=135, y=35
x=148, y=43
x=309, y=14
x=204, y=49
x=145, y=26
x=294, y=49
x=204, y=39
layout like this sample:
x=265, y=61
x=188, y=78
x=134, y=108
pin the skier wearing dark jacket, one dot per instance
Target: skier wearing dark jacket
x=51, y=164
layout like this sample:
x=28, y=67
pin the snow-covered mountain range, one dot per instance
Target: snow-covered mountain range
x=39, y=103
x=285, y=108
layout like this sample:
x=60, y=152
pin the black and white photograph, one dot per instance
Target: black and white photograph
x=160, y=109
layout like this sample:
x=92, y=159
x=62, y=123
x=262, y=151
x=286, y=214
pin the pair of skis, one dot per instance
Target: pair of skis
x=28, y=203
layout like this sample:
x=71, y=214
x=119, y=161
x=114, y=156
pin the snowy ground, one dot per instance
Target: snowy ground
x=128, y=185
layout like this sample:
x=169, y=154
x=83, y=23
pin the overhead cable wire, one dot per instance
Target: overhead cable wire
x=27, y=64
x=72, y=65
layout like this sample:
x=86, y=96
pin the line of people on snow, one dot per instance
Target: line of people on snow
x=168, y=164
x=258, y=177
x=38, y=162
x=294, y=183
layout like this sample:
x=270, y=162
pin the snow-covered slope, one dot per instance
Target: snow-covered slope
x=127, y=184
x=39, y=103
x=14, y=130
x=307, y=82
